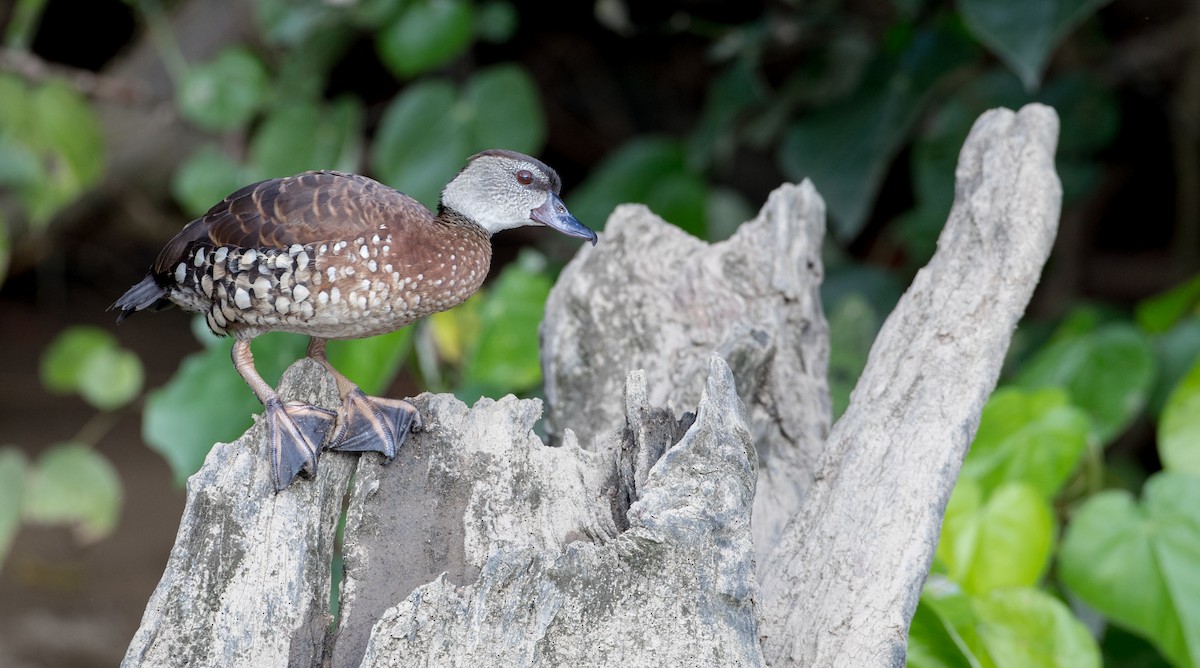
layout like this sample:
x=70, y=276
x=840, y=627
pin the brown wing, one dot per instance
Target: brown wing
x=312, y=207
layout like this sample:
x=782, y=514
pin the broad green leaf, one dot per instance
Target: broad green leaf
x=1179, y=428
x=1019, y=627
x=1136, y=562
x=428, y=33
x=505, y=357
x=846, y=149
x=504, y=109
x=224, y=94
x=420, y=144
x=1003, y=541
x=207, y=402
x=63, y=361
x=456, y=330
x=111, y=378
x=933, y=642
x=1160, y=312
x=1028, y=628
x=62, y=129
x=74, y=484
x=204, y=179
x=1031, y=436
x=12, y=488
x=300, y=135
x=646, y=170
x=372, y=363
x=1107, y=372
x=1024, y=33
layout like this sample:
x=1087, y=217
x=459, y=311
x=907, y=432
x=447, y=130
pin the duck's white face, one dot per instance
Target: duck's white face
x=500, y=190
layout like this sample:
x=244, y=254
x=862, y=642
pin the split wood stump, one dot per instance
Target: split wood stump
x=696, y=507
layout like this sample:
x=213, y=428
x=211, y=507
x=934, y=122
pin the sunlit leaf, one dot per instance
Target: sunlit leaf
x=1175, y=350
x=111, y=378
x=1107, y=372
x=12, y=488
x=425, y=35
x=1035, y=437
x=455, y=330
x=1179, y=428
x=1018, y=627
x=74, y=484
x=204, y=179
x=63, y=361
x=932, y=642
x=226, y=92
x=207, y=402
x=1136, y=562
x=1025, y=32
x=1002, y=540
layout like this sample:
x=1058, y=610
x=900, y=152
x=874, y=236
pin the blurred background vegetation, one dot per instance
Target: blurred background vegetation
x=1073, y=538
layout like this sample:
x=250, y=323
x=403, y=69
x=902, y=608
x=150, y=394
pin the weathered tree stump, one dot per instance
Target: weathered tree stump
x=630, y=542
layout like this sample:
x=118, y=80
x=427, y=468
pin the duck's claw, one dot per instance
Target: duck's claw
x=295, y=432
x=374, y=424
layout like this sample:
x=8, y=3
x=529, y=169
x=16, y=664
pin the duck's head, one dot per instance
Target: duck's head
x=500, y=190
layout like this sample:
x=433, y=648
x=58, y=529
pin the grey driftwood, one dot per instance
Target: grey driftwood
x=697, y=508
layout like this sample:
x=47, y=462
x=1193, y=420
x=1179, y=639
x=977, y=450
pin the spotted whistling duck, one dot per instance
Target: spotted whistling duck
x=340, y=256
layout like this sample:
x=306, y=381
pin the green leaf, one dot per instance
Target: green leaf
x=61, y=129
x=12, y=488
x=505, y=356
x=1179, y=428
x=846, y=149
x=456, y=330
x=1017, y=627
x=1035, y=437
x=933, y=642
x=430, y=129
x=300, y=135
x=650, y=171
x=74, y=484
x=371, y=363
x=1136, y=563
x=224, y=94
x=207, y=402
x=1003, y=542
x=111, y=378
x=1024, y=33
x=429, y=33
x=504, y=109
x=1027, y=628
x=1107, y=372
x=63, y=361
x=420, y=145
x=1161, y=312
x=204, y=179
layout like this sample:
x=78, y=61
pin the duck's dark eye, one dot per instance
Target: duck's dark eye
x=524, y=177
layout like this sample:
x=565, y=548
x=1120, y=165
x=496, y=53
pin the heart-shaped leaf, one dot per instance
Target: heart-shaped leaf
x=73, y=484
x=1137, y=562
x=1179, y=428
x=1035, y=437
x=1004, y=541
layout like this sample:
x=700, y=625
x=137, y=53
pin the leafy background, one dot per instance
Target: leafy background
x=1073, y=537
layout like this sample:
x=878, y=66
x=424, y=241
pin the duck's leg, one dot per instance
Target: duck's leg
x=295, y=430
x=367, y=424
